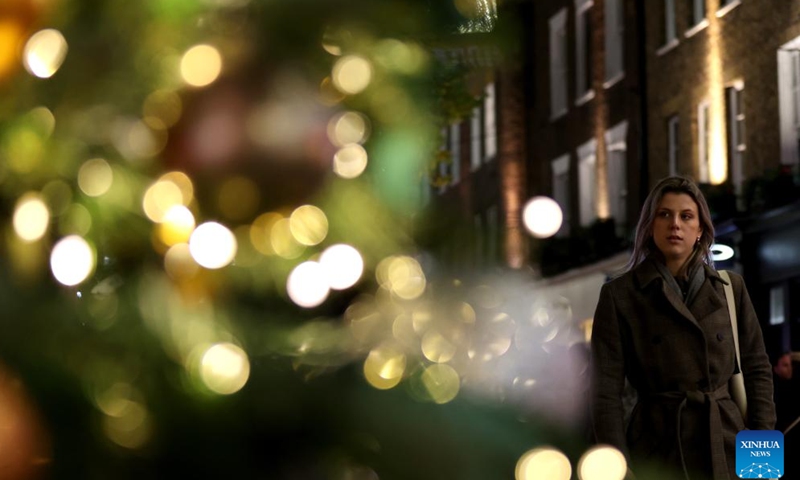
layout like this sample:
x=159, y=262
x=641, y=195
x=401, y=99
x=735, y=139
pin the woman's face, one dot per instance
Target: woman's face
x=676, y=227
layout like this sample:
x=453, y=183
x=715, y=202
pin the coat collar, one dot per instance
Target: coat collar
x=706, y=302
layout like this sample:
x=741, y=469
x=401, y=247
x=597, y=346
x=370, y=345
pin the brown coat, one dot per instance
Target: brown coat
x=679, y=360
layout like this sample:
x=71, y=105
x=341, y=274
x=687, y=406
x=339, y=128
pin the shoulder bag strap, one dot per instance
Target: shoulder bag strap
x=732, y=311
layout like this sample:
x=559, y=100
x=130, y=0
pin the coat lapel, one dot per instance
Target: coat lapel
x=708, y=299
x=706, y=302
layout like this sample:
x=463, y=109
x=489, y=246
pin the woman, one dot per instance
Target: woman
x=664, y=326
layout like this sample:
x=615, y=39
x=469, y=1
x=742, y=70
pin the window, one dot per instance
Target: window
x=673, y=144
x=614, y=34
x=560, y=171
x=736, y=135
x=703, y=136
x=670, y=36
x=777, y=305
x=479, y=234
x=489, y=122
x=584, y=51
x=475, y=134
x=789, y=101
x=454, y=142
x=558, y=64
x=587, y=182
x=698, y=12
x=616, y=147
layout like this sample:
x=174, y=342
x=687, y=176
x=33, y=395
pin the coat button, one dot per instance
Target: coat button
x=720, y=336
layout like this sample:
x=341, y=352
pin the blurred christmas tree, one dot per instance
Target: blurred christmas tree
x=209, y=263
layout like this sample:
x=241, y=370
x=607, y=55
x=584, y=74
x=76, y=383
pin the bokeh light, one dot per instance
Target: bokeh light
x=342, y=265
x=442, y=383
x=542, y=463
x=350, y=161
x=95, y=177
x=163, y=105
x=348, y=127
x=178, y=262
x=176, y=226
x=402, y=275
x=437, y=348
x=542, y=217
x=239, y=198
x=308, y=225
x=352, y=74
x=44, y=52
x=384, y=367
x=212, y=245
x=225, y=368
x=31, y=217
x=602, y=462
x=201, y=65
x=159, y=198
x=72, y=260
x=307, y=285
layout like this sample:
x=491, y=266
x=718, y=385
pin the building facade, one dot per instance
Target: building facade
x=723, y=106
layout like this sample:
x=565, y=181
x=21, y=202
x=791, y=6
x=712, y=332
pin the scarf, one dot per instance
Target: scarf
x=696, y=277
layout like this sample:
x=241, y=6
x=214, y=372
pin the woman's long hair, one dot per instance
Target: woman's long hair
x=644, y=244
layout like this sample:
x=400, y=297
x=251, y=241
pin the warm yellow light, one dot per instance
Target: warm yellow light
x=348, y=127
x=350, y=161
x=130, y=426
x=402, y=275
x=352, y=74
x=95, y=177
x=384, y=367
x=542, y=217
x=31, y=217
x=436, y=348
x=212, y=245
x=308, y=224
x=44, y=119
x=602, y=462
x=261, y=232
x=164, y=105
x=176, y=226
x=342, y=265
x=159, y=198
x=76, y=219
x=178, y=262
x=442, y=383
x=72, y=260
x=307, y=285
x=283, y=242
x=201, y=65
x=45, y=52
x=225, y=368
x=184, y=184
x=542, y=463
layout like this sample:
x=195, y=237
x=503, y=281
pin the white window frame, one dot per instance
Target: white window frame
x=673, y=143
x=703, y=133
x=475, y=144
x=558, y=64
x=736, y=145
x=454, y=143
x=699, y=17
x=490, y=121
x=615, y=41
x=587, y=182
x=726, y=6
x=560, y=170
x=617, y=174
x=583, y=92
x=789, y=101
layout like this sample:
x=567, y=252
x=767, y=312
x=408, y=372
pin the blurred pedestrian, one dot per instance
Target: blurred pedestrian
x=664, y=326
x=787, y=400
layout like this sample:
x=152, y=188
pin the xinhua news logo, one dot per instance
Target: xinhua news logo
x=759, y=454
